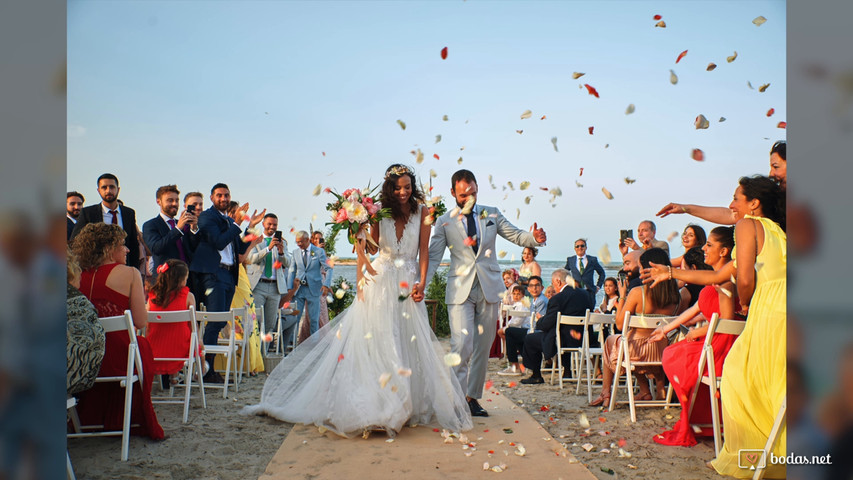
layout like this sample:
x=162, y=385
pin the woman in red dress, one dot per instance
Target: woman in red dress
x=169, y=294
x=113, y=287
x=680, y=360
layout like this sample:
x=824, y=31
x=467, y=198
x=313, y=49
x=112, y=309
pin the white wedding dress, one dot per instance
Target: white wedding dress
x=334, y=378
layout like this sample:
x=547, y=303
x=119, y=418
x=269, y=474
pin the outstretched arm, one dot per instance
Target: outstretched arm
x=516, y=235
x=658, y=273
x=720, y=215
x=418, y=291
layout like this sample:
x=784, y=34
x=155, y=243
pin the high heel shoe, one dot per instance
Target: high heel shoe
x=601, y=400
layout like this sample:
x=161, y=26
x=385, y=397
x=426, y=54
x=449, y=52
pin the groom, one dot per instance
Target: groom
x=474, y=285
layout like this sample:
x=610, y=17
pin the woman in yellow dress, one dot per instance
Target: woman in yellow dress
x=754, y=380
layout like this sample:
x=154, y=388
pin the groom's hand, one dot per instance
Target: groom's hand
x=539, y=234
x=417, y=292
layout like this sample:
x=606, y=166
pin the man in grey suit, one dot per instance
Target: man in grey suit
x=267, y=263
x=474, y=286
x=305, y=268
x=583, y=268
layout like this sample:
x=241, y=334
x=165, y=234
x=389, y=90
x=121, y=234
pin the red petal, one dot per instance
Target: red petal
x=324, y=154
x=680, y=56
x=602, y=419
x=591, y=90
x=444, y=53
x=543, y=117
x=782, y=125
x=511, y=384
x=581, y=174
x=436, y=430
x=277, y=264
x=771, y=112
x=488, y=384
x=340, y=357
x=657, y=17
x=404, y=284
x=622, y=442
x=698, y=155
x=591, y=129
x=435, y=155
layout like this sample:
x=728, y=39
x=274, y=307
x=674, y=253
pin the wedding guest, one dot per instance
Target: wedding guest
x=168, y=237
x=85, y=338
x=194, y=203
x=510, y=278
x=306, y=270
x=305, y=325
x=515, y=330
x=73, y=204
x=694, y=259
x=267, y=264
x=693, y=236
x=663, y=299
x=646, y=233
x=549, y=292
x=611, y=294
x=529, y=265
x=583, y=268
x=114, y=287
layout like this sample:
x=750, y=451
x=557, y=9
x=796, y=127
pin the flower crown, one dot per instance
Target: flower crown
x=397, y=171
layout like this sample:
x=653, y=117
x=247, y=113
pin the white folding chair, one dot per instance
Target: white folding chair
x=623, y=361
x=241, y=315
x=126, y=381
x=715, y=326
x=70, y=402
x=588, y=353
x=226, y=348
x=772, y=439
x=574, y=352
x=192, y=360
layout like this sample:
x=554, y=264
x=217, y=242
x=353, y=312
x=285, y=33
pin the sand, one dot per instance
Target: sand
x=219, y=443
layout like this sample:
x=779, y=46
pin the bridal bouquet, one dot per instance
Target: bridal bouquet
x=353, y=209
x=436, y=208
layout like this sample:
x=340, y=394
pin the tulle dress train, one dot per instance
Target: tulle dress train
x=377, y=365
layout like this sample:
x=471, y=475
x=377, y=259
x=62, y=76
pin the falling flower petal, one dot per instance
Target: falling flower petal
x=782, y=125
x=435, y=156
x=749, y=84
x=437, y=138
x=317, y=190
x=731, y=58
x=673, y=78
x=519, y=132
x=657, y=17
x=452, y=359
x=759, y=20
x=591, y=90
x=698, y=155
x=527, y=200
x=276, y=264
x=250, y=237
x=722, y=119
x=629, y=180
x=763, y=87
x=459, y=162
x=607, y=193
x=554, y=142
x=711, y=66
x=526, y=114
x=420, y=157
x=444, y=53
x=671, y=236
x=543, y=117
x=268, y=337
x=661, y=24
x=404, y=372
x=701, y=122
x=501, y=254
x=402, y=124
x=383, y=379
x=577, y=75
x=511, y=187
x=432, y=173
x=580, y=174
x=340, y=357
x=606, y=145
x=590, y=130
x=524, y=185
x=680, y=56
x=628, y=111
x=517, y=213
x=470, y=241
x=771, y=112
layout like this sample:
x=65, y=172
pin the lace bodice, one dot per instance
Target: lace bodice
x=402, y=254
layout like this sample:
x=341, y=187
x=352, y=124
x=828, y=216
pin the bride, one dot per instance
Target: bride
x=377, y=365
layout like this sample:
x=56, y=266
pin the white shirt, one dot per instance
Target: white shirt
x=73, y=220
x=108, y=217
x=476, y=222
x=227, y=254
x=166, y=219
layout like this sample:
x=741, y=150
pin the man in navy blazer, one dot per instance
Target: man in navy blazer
x=110, y=211
x=166, y=236
x=583, y=267
x=216, y=263
x=543, y=340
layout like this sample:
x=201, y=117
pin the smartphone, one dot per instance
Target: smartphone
x=622, y=276
x=623, y=234
x=277, y=234
x=191, y=209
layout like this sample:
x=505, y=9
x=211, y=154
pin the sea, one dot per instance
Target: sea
x=348, y=271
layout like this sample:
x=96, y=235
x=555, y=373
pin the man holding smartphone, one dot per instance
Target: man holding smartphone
x=165, y=235
x=267, y=263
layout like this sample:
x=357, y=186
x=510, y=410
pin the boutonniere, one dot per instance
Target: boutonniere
x=313, y=254
x=484, y=214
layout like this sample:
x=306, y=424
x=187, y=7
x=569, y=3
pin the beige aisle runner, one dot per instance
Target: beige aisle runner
x=421, y=452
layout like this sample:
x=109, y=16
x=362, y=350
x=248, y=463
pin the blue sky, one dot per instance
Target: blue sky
x=253, y=93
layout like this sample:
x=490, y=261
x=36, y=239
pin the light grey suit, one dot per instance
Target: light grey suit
x=268, y=294
x=474, y=287
x=308, y=295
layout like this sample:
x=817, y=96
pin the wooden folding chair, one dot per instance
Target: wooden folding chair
x=126, y=381
x=715, y=326
x=192, y=360
x=588, y=353
x=574, y=352
x=226, y=348
x=623, y=361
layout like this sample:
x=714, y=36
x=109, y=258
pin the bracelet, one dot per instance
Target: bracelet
x=670, y=272
x=683, y=209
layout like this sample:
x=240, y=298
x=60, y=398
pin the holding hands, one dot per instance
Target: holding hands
x=417, y=292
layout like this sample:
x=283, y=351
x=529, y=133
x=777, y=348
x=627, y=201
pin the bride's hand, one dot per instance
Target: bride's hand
x=417, y=292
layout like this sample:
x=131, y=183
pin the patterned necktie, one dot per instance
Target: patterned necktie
x=178, y=242
x=268, y=265
x=114, y=213
x=472, y=231
x=580, y=262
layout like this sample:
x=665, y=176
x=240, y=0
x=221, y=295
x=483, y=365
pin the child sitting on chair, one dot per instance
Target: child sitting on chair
x=515, y=331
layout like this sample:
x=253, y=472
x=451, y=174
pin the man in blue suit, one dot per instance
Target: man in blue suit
x=306, y=267
x=216, y=263
x=166, y=236
x=583, y=268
